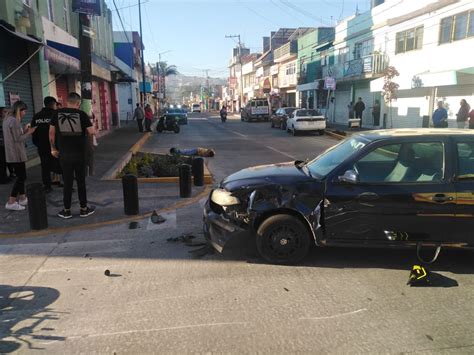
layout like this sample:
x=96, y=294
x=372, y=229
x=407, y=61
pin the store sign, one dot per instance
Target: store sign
x=330, y=83
x=90, y=7
x=232, y=82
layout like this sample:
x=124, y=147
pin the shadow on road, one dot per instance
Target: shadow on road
x=27, y=305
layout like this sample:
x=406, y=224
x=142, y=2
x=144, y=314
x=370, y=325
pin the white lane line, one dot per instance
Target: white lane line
x=237, y=133
x=279, y=151
x=154, y=330
x=336, y=315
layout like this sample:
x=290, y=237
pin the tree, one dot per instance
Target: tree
x=162, y=70
x=390, y=88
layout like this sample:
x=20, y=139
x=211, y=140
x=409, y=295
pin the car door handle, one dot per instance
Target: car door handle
x=442, y=198
x=368, y=196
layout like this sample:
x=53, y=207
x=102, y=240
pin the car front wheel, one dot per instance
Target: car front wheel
x=283, y=239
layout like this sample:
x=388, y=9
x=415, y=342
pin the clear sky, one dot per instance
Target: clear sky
x=194, y=30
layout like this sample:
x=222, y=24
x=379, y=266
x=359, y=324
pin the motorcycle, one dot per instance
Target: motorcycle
x=223, y=116
x=166, y=123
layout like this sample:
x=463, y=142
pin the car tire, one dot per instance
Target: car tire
x=283, y=239
x=321, y=132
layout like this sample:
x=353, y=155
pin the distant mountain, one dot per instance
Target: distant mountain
x=180, y=85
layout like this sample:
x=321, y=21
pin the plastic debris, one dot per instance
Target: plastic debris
x=157, y=218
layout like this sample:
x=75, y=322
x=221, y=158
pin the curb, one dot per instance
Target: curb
x=335, y=135
x=49, y=231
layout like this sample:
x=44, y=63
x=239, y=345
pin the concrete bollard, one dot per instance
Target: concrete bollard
x=130, y=194
x=37, y=209
x=198, y=171
x=185, y=181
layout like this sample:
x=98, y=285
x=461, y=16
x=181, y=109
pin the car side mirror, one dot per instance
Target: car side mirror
x=349, y=177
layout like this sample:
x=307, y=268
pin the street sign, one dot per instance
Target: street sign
x=88, y=32
x=89, y=7
x=330, y=83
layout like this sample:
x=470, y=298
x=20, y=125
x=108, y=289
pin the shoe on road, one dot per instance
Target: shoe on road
x=86, y=212
x=15, y=206
x=65, y=214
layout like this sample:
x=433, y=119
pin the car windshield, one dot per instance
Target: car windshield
x=173, y=110
x=322, y=165
x=306, y=113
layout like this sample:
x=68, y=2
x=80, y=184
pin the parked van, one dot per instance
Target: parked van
x=255, y=109
x=196, y=108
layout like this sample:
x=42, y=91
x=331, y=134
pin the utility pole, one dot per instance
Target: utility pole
x=241, y=76
x=86, y=62
x=208, y=88
x=143, y=96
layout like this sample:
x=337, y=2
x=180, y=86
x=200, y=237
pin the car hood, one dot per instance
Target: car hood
x=281, y=174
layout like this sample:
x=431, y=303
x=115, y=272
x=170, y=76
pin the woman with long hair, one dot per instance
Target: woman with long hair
x=14, y=138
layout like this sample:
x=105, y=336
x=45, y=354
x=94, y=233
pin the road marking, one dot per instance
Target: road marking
x=155, y=330
x=336, y=315
x=279, y=151
x=238, y=133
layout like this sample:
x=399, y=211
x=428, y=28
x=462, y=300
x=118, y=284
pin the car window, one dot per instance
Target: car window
x=279, y=111
x=465, y=152
x=262, y=103
x=331, y=158
x=404, y=162
x=306, y=113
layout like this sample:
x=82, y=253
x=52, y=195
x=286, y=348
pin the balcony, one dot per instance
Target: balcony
x=285, y=52
x=366, y=67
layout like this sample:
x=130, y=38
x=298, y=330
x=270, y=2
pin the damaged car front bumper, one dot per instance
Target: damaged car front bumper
x=218, y=227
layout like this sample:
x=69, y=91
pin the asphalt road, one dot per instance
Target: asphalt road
x=167, y=297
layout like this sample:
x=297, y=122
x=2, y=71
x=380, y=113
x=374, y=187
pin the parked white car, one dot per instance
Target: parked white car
x=306, y=120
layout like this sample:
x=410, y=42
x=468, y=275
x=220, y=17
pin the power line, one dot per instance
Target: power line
x=127, y=7
x=123, y=27
x=258, y=14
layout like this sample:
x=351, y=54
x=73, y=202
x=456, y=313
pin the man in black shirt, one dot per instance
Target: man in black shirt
x=73, y=128
x=42, y=121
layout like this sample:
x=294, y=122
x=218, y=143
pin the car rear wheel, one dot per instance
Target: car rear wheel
x=321, y=132
x=283, y=239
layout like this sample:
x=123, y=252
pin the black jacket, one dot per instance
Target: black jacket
x=359, y=106
x=42, y=120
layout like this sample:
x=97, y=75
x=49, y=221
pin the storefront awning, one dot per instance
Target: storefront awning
x=21, y=36
x=308, y=86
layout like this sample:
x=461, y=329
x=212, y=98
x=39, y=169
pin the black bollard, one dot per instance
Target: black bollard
x=198, y=171
x=130, y=194
x=37, y=206
x=185, y=181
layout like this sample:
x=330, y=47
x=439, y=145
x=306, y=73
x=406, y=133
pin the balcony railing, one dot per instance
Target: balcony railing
x=370, y=65
x=286, y=50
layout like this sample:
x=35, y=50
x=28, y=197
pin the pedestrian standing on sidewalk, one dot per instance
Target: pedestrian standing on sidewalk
x=42, y=121
x=359, y=108
x=376, y=113
x=4, y=178
x=148, y=118
x=440, y=116
x=73, y=129
x=463, y=114
x=14, y=136
x=139, y=115
x=350, y=108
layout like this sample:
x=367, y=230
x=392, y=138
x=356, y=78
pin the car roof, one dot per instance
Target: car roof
x=414, y=132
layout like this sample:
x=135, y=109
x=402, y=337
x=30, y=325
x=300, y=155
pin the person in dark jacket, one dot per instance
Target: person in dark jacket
x=42, y=121
x=462, y=116
x=359, y=108
x=139, y=115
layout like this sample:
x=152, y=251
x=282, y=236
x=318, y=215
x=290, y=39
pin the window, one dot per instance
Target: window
x=407, y=162
x=409, y=40
x=363, y=49
x=50, y=10
x=66, y=15
x=343, y=55
x=290, y=69
x=457, y=27
x=465, y=161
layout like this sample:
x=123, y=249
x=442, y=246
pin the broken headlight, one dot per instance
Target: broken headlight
x=224, y=198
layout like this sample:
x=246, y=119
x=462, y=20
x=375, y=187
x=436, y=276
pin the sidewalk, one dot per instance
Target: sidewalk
x=107, y=196
x=342, y=130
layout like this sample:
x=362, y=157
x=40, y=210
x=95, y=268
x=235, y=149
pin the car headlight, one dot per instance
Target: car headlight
x=224, y=198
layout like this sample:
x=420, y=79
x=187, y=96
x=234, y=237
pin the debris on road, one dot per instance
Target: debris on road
x=107, y=272
x=286, y=289
x=157, y=218
x=86, y=255
x=201, y=252
x=133, y=225
x=182, y=238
